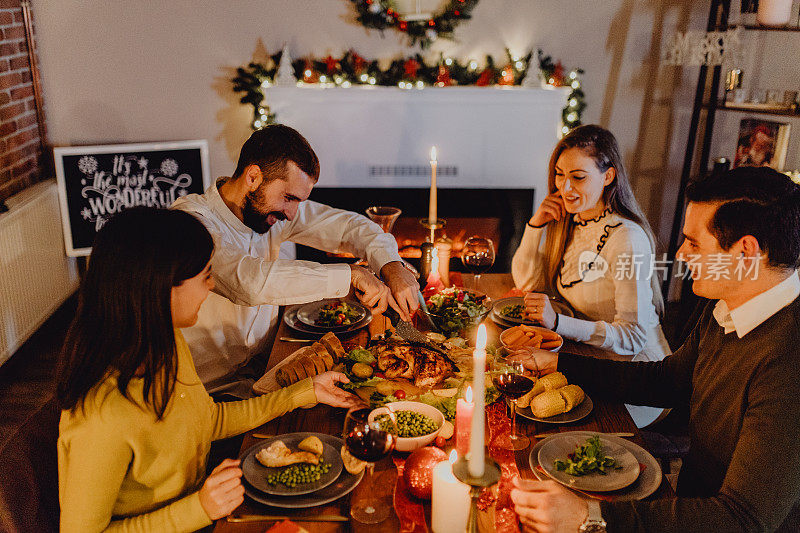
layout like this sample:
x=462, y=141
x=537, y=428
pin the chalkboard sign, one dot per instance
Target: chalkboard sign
x=96, y=182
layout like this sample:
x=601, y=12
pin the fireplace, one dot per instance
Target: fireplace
x=500, y=214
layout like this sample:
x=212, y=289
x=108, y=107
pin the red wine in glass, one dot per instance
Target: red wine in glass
x=369, y=441
x=478, y=256
x=513, y=386
x=370, y=445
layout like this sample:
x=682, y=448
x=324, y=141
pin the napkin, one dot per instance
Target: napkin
x=287, y=526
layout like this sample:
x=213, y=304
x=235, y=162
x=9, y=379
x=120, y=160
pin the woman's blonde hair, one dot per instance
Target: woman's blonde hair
x=600, y=145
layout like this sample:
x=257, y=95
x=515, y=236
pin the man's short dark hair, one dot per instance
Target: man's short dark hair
x=757, y=201
x=272, y=147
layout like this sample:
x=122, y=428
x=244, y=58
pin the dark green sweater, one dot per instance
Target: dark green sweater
x=742, y=472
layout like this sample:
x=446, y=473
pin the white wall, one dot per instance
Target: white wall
x=123, y=71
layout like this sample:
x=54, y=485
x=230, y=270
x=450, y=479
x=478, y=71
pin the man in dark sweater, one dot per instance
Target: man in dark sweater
x=738, y=372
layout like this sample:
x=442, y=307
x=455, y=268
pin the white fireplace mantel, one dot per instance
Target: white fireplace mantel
x=487, y=137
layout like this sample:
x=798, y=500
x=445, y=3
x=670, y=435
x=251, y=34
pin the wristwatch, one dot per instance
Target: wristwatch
x=594, y=522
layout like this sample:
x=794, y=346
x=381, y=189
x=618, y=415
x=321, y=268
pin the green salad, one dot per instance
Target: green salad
x=337, y=314
x=454, y=309
x=586, y=459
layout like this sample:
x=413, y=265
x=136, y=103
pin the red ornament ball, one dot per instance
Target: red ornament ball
x=418, y=470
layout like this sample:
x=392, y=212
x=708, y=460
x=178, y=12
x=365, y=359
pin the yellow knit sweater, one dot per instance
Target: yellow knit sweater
x=120, y=469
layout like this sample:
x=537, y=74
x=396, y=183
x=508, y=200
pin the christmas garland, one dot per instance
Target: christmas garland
x=409, y=73
x=380, y=14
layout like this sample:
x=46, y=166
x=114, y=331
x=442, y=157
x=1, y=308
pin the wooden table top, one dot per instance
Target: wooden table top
x=606, y=417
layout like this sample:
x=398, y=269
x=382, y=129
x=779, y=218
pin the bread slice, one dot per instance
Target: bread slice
x=334, y=346
x=553, y=381
x=572, y=394
x=282, y=377
x=323, y=355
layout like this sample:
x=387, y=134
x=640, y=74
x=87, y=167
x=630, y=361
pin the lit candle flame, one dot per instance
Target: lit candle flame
x=453, y=456
x=468, y=395
x=433, y=154
x=480, y=342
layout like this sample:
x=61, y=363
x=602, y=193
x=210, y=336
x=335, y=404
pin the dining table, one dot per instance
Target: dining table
x=252, y=517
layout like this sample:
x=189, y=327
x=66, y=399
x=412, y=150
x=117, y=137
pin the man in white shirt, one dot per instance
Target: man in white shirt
x=250, y=216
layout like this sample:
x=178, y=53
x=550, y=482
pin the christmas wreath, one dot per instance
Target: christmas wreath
x=412, y=72
x=381, y=14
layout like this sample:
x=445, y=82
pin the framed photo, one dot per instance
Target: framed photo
x=96, y=182
x=762, y=143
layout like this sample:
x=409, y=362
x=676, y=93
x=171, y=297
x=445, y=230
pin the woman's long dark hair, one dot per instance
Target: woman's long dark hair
x=601, y=145
x=123, y=325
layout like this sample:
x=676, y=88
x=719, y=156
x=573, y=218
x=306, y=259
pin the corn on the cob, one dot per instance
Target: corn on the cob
x=548, y=404
x=556, y=380
x=572, y=394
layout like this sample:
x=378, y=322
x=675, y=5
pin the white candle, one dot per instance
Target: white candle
x=476, y=438
x=432, y=215
x=450, y=499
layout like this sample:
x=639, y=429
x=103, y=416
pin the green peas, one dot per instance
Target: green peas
x=299, y=474
x=410, y=424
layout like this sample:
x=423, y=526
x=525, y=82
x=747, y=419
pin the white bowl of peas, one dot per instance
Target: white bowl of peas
x=418, y=423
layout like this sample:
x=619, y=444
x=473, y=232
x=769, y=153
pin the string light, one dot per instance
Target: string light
x=448, y=61
x=573, y=75
x=307, y=73
x=473, y=65
x=565, y=129
x=572, y=117
x=323, y=79
x=420, y=84
x=573, y=102
x=346, y=84
x=575, y=84
x=363, y=77
x=519, y=65
x=372, y=81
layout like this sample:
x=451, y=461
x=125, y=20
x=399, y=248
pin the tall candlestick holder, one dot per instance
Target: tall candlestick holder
x=433, y=226
x=491, y=475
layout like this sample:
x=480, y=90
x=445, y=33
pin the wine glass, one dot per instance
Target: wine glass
x=510, y=379
x=478, y=256
x=384, y=216
x=370, y=442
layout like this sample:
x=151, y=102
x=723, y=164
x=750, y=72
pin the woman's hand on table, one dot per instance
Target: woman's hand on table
x=548, y=506
x=552, y=208
x=222, y=491
x=328, y=393
x=539, y=309
x=541, y=361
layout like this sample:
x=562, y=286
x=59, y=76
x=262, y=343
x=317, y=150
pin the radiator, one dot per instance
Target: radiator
x=36, y=276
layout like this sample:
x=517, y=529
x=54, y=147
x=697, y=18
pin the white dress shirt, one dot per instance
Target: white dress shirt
x=758, y=309
x=254, y=275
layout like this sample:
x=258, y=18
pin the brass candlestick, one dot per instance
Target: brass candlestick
x=491, y=475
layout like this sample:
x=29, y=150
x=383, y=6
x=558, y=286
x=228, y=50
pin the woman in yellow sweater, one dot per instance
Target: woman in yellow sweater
x=137, y=423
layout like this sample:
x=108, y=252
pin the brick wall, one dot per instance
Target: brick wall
x=19, y=134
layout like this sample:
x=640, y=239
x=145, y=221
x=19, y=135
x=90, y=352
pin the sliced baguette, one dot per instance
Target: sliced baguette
x=334, y=346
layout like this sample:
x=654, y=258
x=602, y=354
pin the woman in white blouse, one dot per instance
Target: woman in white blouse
x=590, y=244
